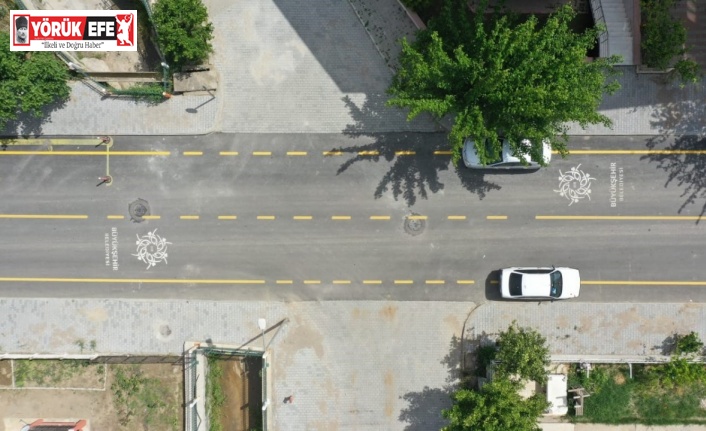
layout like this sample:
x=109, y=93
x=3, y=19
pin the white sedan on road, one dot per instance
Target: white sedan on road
x=539, y=283
x=506, y=160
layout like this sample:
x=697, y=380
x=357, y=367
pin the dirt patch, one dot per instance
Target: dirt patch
x=59, y=374
x=6, y=373
x=241, y=386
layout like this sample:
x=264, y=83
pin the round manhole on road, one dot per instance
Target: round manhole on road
x=138, y=209
x=414, y=224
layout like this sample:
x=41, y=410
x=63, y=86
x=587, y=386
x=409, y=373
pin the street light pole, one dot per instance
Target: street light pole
x=262, y=324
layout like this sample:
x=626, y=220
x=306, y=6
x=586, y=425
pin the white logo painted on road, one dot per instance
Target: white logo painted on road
x=574, y=185
x=151, y=249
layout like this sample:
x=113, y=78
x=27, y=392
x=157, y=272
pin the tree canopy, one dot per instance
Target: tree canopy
x=29, y=81
x=522, y=352
x=499, y=75
x=498, y=406
x=183, y=30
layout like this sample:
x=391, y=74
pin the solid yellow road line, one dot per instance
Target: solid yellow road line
x=379, y=217
x=435, y=281
x=496, y=217
x=302, y=217
x=340, y=217
x=544, y=217
x=189, y=217
x=262, y=153
x=116, y=217
x=443, y=153
x=128, y=280
x=332, y=153
x=83, y=153
x=643, y=283
x=296, y=153
x=193, y=153
x=405, y=153
x=45, y=216
x=372, y=281
x=228, y=153
x=265, y=217
x=417, y=217
x=341, y=282
x=465, y=282
x=457, y=217
x=368, y=153
x=37, y=142
x=284, y=281
x=404, y=281
x=618, y=152
x=227, y=217
x=312, y=281
x=151, y=217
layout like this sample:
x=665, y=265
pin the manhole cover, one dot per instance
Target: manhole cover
x=414, y=224
x=138, y=210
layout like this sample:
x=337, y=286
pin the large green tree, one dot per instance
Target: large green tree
x=522, y=352
x=183, y=30
x=498, y=74
x=29, y=81
x=496, y=407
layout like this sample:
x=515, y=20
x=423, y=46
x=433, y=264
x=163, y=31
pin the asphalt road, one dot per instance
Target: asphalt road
x=272, y=216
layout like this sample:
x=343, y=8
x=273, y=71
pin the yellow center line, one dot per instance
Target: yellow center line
x=465, y=282
x=496, y=217
x=193, y=153
x=405, y=153
x=417, y=217
x=312, y=281
x=643, y=283
x=302, y=217
x=129, y=280
x=284, y=281
x=435, y=281
x=227, y=217
x=379, y=217
x=228, y=153
x=368, y=153
x=546, y=217
x=262, y=153
x=404, y=281
x=44, y=216
x=443, y=153
x=189, y=217
x=341, y=282
x=151, y=217
x=457, y=217
x=617, y=152
x=297, y=153
x=265, y=217
x=494, y=282
x=372, y=281
x=332, y=153
x=84, y=153
x=116, y=217
x=340, y=217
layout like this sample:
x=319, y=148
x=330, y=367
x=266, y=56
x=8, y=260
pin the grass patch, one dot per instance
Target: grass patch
x=215, y=395
x=44, y=373
x=142, y=400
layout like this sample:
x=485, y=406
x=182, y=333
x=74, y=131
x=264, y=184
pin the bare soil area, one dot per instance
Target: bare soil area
x=242, y=386
x=145, y=397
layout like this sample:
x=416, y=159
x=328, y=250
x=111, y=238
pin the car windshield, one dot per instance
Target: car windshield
x=556, y=280
x=515, y=284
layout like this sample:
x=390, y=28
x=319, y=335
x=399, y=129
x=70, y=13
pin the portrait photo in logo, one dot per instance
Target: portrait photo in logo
x=125, y=30
x=21, y=30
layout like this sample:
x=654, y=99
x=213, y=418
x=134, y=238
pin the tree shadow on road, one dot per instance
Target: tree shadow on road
x=415, y=156
x=683, y=128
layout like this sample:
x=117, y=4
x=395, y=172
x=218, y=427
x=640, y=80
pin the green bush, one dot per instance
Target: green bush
x=689, y=343
x=663, y=37
x=418, y=5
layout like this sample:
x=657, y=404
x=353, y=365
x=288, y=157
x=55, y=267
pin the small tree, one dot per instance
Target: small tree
x=523, y=352
x=29, y=81
x=688, y=344
x=496, y=407
x=183, y=30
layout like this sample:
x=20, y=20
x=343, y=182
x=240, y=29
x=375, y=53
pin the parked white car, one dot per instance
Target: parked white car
x=539, y=283
x=507, y=160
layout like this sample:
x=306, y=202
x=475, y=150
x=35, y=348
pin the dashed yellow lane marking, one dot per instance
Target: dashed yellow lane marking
x=262, y=153
x=372, y=281
x=116, y=217
x=379, y=217
x=443, y=153
x=494, y=282
x=228, y=153
x=302, y=217
x=265, y=217
x=151, y=217
x=297, y=153
x=496, y=217
x=688, y=218
x=129, y=280
x=227, y=217
x=368, y=153
x=189, y=217
x=45, y=216
x=435, y=281
x=312, y=281
x=340, y=217
x=465, y=282
x=404, y=281
x=405, y=153
x=455, y=217
x=417, y=217
x=193, y=153
x=83, y=153
x=643, y=283
x=618, y=152
x=333, y=153
x=341, y=282
x=285, y=281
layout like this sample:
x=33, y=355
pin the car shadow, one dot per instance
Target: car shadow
x=492, y=286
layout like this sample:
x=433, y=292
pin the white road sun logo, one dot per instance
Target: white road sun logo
x=152, y=249
x=574, y=185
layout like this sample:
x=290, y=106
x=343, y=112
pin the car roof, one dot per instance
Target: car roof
x=535, y=284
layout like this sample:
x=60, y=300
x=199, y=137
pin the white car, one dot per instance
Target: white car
x=539, y=283
x=507, y=160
